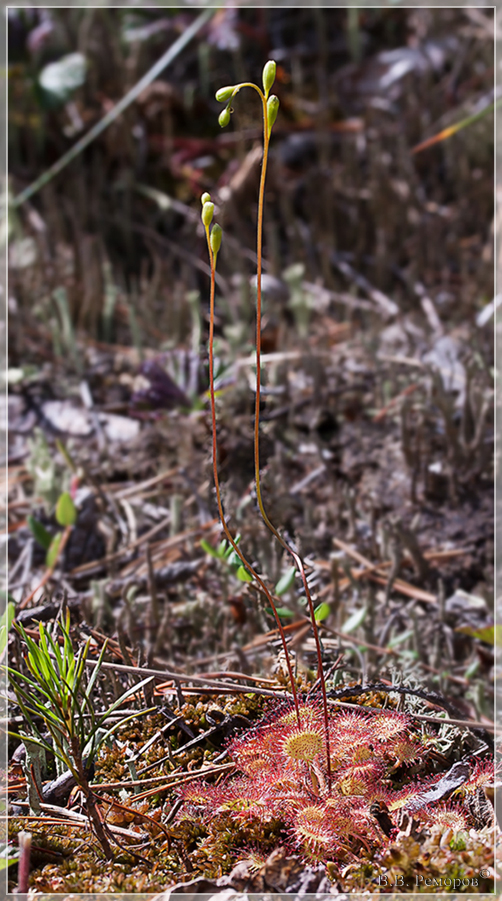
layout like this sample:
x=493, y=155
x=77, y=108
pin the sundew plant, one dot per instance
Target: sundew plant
x=350, y=786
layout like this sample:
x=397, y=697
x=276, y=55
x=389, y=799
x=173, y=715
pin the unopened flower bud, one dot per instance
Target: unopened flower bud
x=205, y=198
x=207, y=213
x=268, y=75
x=224, y=117
x=224, y=94
x=272, y=110
x=215, y=239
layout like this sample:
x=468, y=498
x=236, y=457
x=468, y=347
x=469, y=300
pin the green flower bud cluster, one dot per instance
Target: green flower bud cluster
x=224, y=95
x=268, y=76
x=207, y=217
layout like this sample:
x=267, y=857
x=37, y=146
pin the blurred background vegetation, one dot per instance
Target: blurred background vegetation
x=118, y=228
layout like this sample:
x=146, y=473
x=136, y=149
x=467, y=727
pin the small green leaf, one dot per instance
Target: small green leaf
x=281, y=611
x=213, y=552
x=66, y=512
x=39, y=532
x=52, y=553
x=230, y=550
x=233, y=559
x=322, y=612
x=355, y=620
x=458, y=842
x=286, y=581
x=243, y=574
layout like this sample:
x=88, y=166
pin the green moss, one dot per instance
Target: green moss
x=215, y=846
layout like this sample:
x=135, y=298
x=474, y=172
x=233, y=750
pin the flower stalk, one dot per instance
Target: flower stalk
x=214, y=238
x=270, y=105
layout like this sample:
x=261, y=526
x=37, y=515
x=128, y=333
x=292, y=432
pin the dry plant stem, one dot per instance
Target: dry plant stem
x=100, y=828
x=298, y=561
x=217, y=482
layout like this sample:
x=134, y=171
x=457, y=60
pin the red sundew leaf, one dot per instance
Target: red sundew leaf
x=352, y=819
x=405, y=751
x=301, y=743
x=245, y=799
x=280, y=743
x=388, y=725
x=310, y=715
x=255, y=753
x=482, y=775
x=355, y=779
x=352, y=725
x=413, y=789
x=313, y=827
x=198, y=794
x=350, y=732
x=448, y=816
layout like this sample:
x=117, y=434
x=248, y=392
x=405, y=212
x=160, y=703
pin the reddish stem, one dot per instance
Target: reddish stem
x=228, y=534
x=298, y=561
